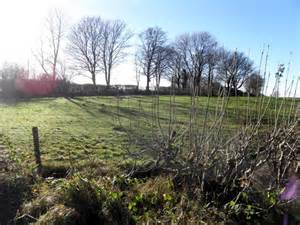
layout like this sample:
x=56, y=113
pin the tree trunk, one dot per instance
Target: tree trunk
x=108, y=73
x=158, y=80
x=228, y=88
x=94, y=78
x=184, y=80
x=210, y=88
x=178, y=82
x=108, y=79
x=148, y=82
x=148, y=74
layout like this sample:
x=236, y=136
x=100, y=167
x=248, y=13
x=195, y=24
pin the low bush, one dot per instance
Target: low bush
x=120, y=200
x=78, y=201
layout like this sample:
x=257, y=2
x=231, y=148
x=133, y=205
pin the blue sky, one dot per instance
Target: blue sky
x=246, y=25
x=241, y=24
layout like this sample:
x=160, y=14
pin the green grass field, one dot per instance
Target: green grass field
x=91, y=128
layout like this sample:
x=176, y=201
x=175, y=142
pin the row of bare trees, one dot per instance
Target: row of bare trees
x=98, y=45
x=95, y=46
x=194, y=60
x=92, y=46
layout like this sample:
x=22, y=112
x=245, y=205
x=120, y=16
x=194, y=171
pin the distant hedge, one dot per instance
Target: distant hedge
x=48, y=87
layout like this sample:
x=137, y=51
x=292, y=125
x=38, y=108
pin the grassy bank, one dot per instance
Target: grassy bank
x=93, y=144
x=93, y=128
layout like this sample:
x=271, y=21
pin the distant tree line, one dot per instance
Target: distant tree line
x=195, y=61
x=94, y=47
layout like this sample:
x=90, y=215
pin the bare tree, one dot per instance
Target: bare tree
x=85, y=46
x=115, y=40
x=162, y=61
x=195, y=49
x=152, y=40
x=175, y=65
x=213, y=57
x=182, y=45
x=234, y=68
x=254, y=84
x=48, y=55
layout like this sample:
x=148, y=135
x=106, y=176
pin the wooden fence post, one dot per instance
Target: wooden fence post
x=37, y=152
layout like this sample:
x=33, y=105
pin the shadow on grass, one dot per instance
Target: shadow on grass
x=55, y=171
x=82, y=106
x=15, y=101
x=95, y=109
x=12, y=194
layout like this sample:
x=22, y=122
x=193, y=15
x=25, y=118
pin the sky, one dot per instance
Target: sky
x=245, y=25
